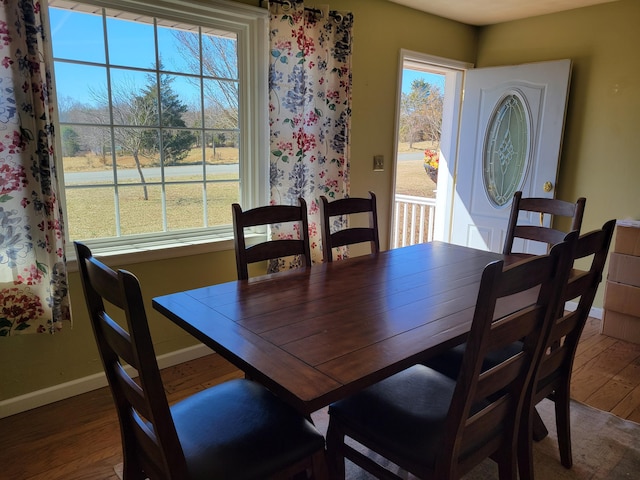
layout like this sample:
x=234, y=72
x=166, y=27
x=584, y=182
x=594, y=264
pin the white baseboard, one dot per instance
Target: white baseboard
x=48, y=395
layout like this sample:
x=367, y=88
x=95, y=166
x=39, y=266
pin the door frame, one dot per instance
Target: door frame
x=454, y=72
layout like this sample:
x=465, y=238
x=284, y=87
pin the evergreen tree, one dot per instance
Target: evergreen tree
x=70, y=142
x=176, y=143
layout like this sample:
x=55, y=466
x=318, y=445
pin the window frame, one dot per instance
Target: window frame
x=250, y=24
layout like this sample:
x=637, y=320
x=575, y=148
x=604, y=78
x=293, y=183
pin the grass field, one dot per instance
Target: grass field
x=91, y=212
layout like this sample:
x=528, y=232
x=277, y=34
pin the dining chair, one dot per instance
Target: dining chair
x=350, y=235
x=270, y=249
x=439, y=428
x=541, y=206
x=552, y=378
x=236, y=429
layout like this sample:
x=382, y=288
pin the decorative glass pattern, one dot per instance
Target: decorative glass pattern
x=506, y=150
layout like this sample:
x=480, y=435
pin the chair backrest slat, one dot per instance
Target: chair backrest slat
x=118, y=339
x=270, y=249
x=335, y=215
x=542, y=206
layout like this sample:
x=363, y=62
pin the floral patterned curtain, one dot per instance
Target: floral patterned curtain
x=310, y=110
x=33, y=278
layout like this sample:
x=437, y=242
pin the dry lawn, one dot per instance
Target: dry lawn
x=91, y=212
x=83, y=163
x=411, y=179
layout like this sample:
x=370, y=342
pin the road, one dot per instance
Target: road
x=150, y=174
x=410, y=156
x=153, y=173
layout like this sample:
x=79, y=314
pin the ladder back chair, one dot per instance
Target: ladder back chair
x=237, y=429
x=439, y=428
x=552, y=379
x=350, y=235
x=542, y=206
x=271, y=249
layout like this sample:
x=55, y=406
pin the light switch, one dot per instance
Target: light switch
x=378, y=163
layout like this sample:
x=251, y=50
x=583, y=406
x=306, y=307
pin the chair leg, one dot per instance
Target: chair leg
x=335, y=457
x=525, y=446
x=320, y=468
x=539, y=428
x=508, y=466
x=563, y=426
x=131, y=468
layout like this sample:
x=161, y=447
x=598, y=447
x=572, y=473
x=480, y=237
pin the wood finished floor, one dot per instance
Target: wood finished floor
x=79, y=439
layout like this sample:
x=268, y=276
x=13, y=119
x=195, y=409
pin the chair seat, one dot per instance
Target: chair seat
x=404, y=414
x=239, y=430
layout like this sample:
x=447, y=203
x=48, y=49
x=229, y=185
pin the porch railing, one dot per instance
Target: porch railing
x=413, y=220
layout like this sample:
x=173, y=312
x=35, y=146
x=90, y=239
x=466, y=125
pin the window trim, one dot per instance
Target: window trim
x=251, y=26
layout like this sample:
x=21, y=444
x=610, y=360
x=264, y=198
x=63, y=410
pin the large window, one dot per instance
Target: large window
x=161, y=117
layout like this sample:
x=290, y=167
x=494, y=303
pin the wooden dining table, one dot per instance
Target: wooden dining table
x=316, y=335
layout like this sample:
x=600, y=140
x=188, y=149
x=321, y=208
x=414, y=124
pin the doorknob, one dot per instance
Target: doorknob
x=547, y=187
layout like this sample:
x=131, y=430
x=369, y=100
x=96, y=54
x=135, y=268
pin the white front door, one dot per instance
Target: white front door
x=510, y=139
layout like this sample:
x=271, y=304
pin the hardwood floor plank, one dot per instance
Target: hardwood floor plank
x=590, y=348
x=597, y=371
x=620, y=385
x=629, y=406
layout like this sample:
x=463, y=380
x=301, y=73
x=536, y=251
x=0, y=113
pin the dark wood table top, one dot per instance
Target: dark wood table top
x=316, y=335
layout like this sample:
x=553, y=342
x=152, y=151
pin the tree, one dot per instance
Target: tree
x=70, y=142
x=176, y=143
x=220, y=62
x=421, y=113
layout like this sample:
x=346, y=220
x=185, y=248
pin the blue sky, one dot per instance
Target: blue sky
x=80, y=37
x=409, y=76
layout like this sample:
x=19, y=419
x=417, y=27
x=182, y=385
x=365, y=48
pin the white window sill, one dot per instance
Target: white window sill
x=121, y=252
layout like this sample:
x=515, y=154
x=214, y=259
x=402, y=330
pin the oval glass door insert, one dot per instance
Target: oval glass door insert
x=506, y=150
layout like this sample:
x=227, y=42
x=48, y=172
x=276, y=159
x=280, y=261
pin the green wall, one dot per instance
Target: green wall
x=34, y=362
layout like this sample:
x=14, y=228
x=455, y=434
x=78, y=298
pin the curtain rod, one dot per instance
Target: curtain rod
x=289, y=3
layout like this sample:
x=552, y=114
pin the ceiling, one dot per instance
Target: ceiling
x=487, y=12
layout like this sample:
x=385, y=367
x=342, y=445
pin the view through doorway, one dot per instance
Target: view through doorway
x=428, y=107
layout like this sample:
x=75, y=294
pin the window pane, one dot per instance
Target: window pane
x=87, y=158
x=220, y=196
x=181, y=100
x=140, y=209
x=179, y=50
x=185, y=207
x=90, y=212
x=183, y=157
x=68, y=27
x=131, y=44
x=221, y=104
x=81, y=84
x=137, y=155
x=223, y=156
x=220, y=55
x=135, y=97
